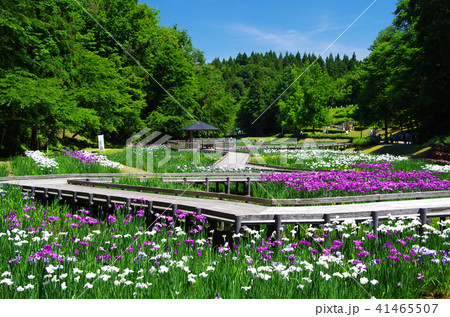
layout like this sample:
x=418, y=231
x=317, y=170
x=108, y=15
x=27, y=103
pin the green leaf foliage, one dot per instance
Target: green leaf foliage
x=405, y=78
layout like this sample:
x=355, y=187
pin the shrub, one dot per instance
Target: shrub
x=441, y=140
x=363, y=141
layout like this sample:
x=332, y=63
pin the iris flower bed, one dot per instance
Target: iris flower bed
x=161, y=159
x=437, y=168
x=52, y=252
x=66, y=162
x=43, y=163
x=364, y=178
x=337, y=160
x=89, y=162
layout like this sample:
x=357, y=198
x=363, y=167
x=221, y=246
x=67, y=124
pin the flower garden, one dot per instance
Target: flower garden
x=54, y=251
x=161, y=159
x=363, y=178
x=65, y=162
x=157, y=159
x=51, y=252
x=347, y=174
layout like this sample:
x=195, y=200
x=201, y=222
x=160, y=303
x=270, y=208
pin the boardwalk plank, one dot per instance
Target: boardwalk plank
x=250, y=213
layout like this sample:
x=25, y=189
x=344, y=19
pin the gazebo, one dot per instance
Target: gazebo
x=199, y=126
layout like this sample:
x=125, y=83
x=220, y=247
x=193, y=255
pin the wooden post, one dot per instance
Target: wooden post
x=207, y=184
x=249, y=184
x=33, y=191
x=149, y=207
x=237, y=229
x=375, y=223
x=441, y=219
x=174, y=211
x=228, y=185
x=128, y=204
x=423, y=220
x=278, y=226
x=59, y=194
x=148, y=213
x=74, y=201
x=108, y=204
x=90, y=202
x=45, y=195
x=198, y=211
x=327, y=220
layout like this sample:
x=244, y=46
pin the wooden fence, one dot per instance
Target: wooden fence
x=274, y=221
x=227, y=181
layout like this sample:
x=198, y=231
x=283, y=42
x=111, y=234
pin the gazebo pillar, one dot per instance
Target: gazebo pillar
x=199, y=126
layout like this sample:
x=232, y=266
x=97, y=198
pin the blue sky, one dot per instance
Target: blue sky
x=226, y=28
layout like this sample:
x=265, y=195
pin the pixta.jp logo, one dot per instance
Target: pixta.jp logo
x=140, y=148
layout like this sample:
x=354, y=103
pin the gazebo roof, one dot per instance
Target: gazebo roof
x=200, y=126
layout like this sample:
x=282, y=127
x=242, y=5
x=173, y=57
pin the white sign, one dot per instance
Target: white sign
x=101, y=143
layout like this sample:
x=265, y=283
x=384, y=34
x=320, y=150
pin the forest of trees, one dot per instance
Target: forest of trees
x=61, y=73
x=256, y=81
x=405, y=79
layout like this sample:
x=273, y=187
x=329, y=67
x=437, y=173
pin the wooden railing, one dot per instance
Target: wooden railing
x=272, y=219
x=202, y=144
x=264, y=201
x=177, y=192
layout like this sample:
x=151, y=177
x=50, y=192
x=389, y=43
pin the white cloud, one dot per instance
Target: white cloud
x=290, y=40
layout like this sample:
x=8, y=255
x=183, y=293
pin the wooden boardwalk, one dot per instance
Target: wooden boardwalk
x=242, y=185
x=237, y=160
x=235, y=212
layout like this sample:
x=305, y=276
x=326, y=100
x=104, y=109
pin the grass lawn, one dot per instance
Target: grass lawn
x=4, y=169
x=407, y=150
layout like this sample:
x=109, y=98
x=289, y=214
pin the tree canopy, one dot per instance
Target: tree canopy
x=61, y=71
x=406, y=76
x=108, y=67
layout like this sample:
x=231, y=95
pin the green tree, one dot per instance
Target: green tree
x=377, y=76
x=428, y=21
x=30, y=104
x=306, y=102
x=217, y=106
x=292, y=110
x=251, y=107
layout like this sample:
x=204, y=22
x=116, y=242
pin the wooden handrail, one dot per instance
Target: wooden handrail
x=172, y=191
x=272, y=202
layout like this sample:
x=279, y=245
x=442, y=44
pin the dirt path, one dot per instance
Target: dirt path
x=131, y=170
